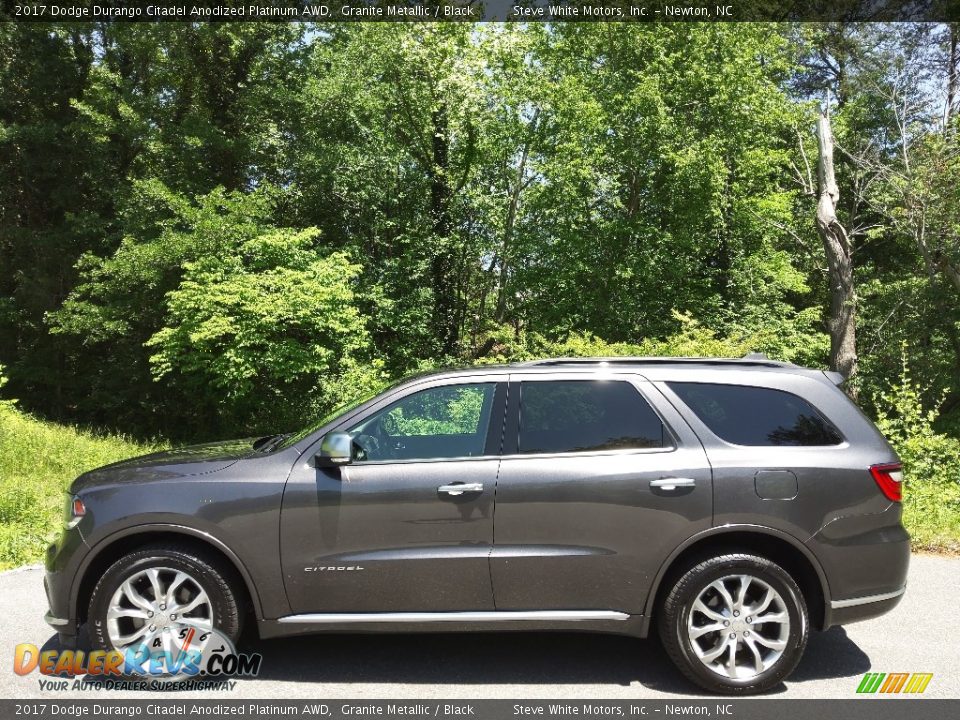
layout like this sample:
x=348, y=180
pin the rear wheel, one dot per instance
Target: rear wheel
x=161, y=596
x=735, y=624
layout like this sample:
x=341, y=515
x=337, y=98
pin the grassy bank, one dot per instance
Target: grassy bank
x=38, y=460
x=935, y=528
x=931, y=512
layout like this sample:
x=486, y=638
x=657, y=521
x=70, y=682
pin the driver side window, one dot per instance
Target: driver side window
x=449, y=421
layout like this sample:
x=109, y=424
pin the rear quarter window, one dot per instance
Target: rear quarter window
x=757, y=416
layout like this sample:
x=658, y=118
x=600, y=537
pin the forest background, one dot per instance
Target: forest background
x=215, y=230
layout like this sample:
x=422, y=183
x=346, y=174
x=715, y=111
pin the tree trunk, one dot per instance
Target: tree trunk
x=445, y=326
x=952, y=67
x=836, y=245
x=515, y=191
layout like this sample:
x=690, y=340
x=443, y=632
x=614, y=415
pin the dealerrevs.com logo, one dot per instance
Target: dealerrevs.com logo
x=193, y=659
x=894, y=683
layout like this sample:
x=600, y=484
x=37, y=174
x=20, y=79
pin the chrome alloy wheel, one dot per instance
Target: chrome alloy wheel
x=738, y=626
x=162, y=604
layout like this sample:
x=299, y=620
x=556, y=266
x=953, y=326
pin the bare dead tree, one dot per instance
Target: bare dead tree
x=836, y=245
x=953, y=67
x=902, y=176
x=913, y=185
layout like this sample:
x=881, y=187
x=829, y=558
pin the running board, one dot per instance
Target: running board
x=426, y=617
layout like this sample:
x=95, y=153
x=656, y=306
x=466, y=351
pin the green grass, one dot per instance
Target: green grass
x=931, y=514
x=38, y=461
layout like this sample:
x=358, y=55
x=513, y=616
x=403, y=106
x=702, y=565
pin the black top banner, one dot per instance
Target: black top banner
x=482, y=11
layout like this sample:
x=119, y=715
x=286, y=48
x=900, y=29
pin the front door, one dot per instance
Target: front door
x=597, y=486
x=408, y=525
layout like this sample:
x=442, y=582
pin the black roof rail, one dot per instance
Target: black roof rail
x=752, y=359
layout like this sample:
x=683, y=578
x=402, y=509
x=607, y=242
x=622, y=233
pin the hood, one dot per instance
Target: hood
x=189, y=460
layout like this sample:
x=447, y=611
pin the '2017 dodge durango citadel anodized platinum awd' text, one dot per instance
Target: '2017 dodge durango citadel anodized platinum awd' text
x=731, y=506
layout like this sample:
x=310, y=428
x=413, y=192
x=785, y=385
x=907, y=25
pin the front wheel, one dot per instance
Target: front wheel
x=735, y=624
x=163, y=597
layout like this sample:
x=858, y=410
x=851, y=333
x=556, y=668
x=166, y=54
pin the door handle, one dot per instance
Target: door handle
x=671, y=483
x=460, y=488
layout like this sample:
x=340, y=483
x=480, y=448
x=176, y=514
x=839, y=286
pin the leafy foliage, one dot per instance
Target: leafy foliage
x=263, y=324
x=930, y=462
x=790, y=339
x=5, y=403
x=243, y=320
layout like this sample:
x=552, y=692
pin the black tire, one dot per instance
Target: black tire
x=678, y=604
x=216, y=578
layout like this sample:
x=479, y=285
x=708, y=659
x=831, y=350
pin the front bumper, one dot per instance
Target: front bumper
x=55, y=622
x=62, y=562
x=66, y=630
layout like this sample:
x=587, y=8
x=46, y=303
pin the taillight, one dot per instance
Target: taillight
x=889, y=478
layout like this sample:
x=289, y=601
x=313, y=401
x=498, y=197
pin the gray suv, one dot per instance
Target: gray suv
x=731, y=504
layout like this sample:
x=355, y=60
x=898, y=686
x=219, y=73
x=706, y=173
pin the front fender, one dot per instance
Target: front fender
x=107, y=546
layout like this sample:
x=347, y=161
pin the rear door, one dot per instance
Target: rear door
x=600, y=480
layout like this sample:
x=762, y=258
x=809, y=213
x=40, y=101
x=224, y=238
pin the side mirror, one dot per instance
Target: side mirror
x=336, y=449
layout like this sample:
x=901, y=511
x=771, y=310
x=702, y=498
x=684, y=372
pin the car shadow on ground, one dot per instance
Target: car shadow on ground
x=831, y=654
x=516, y=659
x=507, y=659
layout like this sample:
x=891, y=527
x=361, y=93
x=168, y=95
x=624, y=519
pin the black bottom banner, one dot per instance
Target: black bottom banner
x=874, y=708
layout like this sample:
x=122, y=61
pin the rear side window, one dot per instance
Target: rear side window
x=578, y=416
x=756, y=416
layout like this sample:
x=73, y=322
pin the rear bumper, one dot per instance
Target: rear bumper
x=865, y=559
x=842, y=612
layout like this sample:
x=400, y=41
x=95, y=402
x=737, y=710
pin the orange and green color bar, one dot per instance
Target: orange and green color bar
x=894, y=683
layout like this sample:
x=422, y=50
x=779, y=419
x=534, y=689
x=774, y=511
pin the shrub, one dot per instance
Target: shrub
x=266, y=327
x=931, y=462
x=790, y=338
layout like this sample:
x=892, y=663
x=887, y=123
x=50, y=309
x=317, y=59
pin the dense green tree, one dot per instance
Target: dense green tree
x=130, y=109
x=268, y=327
x=259, y=328
x=51, y=205
x=664, y=180
x=390, y=145
x=208, y=229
